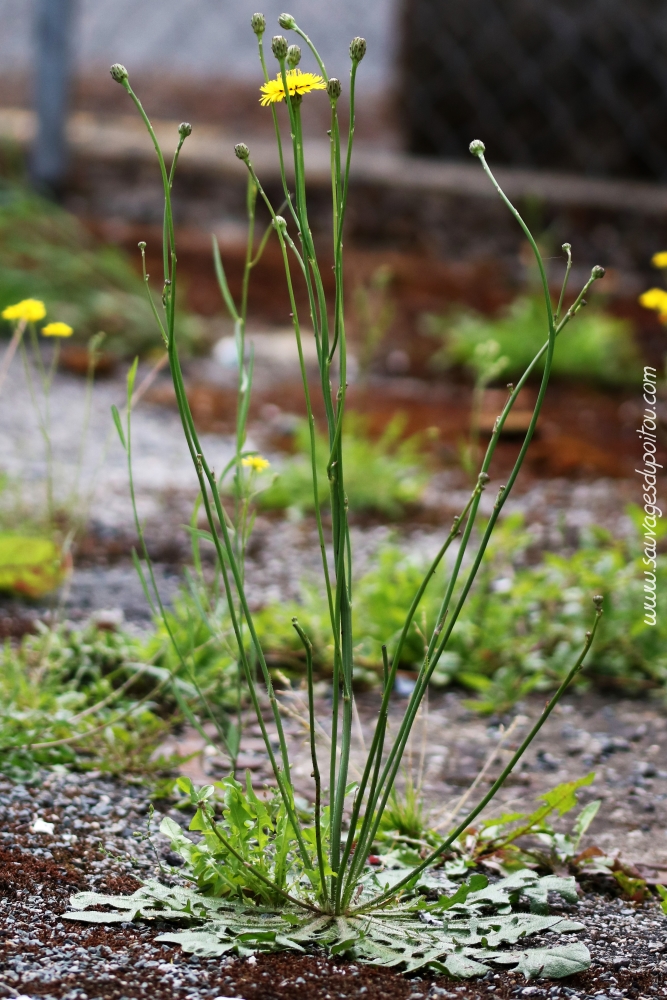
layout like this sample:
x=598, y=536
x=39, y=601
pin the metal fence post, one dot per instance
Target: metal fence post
x=53, y=66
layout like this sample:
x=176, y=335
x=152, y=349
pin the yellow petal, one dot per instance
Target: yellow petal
x=30, y=310
x=57, y=330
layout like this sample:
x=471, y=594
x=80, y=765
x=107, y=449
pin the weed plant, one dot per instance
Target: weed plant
x=383, y=477
x=84, y=698
x=517, y=632
x=602, y=352
x=266, y=875
x=46, y=251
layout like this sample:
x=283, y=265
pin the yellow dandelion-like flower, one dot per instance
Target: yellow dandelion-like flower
x=659, y=259
x=655, y=298
x=297, y=83
x=256, y=463
x=57, y=330
x=30, y=310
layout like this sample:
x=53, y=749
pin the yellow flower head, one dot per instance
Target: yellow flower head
x=297, y=83
x=30, y=310
x=256, y=463
x=659, y=259
x=655, y=298
x=57, y=330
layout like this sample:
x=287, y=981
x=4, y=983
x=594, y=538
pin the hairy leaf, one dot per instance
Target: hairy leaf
x=458, y=934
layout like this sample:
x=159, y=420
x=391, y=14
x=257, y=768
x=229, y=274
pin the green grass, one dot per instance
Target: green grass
x=46, y=253
x=599, y=348
x=518, y=632
x=383, y=476
x=62, y=683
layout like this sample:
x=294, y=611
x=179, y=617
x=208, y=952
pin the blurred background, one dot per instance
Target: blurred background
x=570, y=99
x=443, y=310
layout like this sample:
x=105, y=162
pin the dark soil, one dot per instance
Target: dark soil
x=40, y=956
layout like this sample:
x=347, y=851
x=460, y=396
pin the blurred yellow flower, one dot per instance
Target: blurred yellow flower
x=30, y=310
x=655, y=298
x=297, y=83
x=256, y=463
x=57, y=330
x=659, y=259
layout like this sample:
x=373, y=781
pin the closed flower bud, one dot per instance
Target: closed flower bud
x=279, y=223
x=142, y=245
x=597, y=601
x=597, y=272
x=293, y=56
x=287, y=22
x=184, y=130
x=333, y=88
x=477, y=147
x=279, y=46
x=566, y=247
x=242, y=151
x=258, y=22
x=118, y=73
x=357, y=49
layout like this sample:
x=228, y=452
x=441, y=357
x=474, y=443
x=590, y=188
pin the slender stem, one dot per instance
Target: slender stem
x=313, y=754
x=312, y=48
x=8, y=356
x=205, y=475
x=393, y=763
x=568, y=267
x=447, y=843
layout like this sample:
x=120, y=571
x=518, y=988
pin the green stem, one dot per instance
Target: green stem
x=384, y=897
x=313, y=754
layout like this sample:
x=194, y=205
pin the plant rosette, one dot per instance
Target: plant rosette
x=463, y=934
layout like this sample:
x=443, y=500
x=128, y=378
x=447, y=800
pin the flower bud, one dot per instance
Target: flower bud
x=597, y=601
x=184, y=130
x=333, y=88
x=142, y=245
x=258, y=23
x=477, y=147
x=597, y=272
x=242, y=151
x=279, y=46
x=279, y=223
x=118, y=73
x=293, y=56
x=287, y=22
x=566, y=247
x=357, y=49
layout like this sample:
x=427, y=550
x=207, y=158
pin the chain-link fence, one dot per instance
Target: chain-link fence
x=577, y=85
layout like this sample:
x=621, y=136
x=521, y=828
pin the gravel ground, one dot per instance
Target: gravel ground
x=40, y=956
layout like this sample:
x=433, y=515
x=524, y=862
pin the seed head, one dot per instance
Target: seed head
x=258, y=22
x=293, y=56
x=279, y=46
x=118, y=73
x=357, y=49
x=242, y=151
x=477, y=147
x=333, y=88
x=287, y=22
x=597, y=272
x=184, y=130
